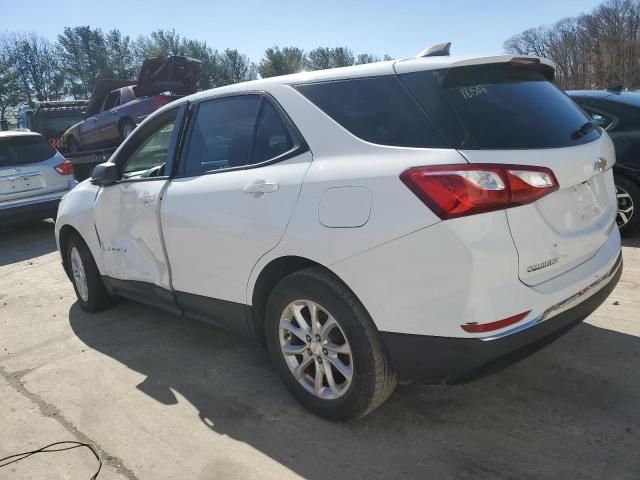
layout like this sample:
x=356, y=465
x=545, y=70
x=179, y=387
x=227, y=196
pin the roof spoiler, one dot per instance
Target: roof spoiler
x=439, y=50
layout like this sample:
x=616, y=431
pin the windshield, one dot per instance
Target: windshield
x=24, y=149
x=498, y=107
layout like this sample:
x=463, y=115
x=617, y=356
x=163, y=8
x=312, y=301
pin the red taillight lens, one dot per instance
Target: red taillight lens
x=466, y=189
x=159, y=101
x=65, y=168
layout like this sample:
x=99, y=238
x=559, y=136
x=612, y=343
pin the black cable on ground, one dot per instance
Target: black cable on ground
x=70, y=445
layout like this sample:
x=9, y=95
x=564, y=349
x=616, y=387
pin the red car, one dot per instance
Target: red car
x=117, y=106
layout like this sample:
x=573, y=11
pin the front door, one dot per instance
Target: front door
x=126, y=213
x=231, y=203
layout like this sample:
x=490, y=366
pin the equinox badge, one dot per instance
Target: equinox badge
x=540, y=266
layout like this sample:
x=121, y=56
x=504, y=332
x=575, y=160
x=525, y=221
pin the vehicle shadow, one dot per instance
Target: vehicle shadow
x=631, y=240
x=24, y=241
x=568, y=411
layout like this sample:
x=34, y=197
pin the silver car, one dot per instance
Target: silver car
x=33, y=177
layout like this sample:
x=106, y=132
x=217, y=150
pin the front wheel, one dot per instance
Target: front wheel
x=87, y=282
x=628, y=197
x=325, y=346
x=126, y=128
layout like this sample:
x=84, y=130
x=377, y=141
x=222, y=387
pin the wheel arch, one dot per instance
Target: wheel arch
x=63, y=239
x=270, y=275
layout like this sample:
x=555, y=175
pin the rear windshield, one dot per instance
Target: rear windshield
x=21, y=150
x=498, y=107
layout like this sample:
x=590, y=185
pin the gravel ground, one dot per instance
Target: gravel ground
x=162, y=397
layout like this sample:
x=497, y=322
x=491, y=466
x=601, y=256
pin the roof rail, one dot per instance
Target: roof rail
x=439, y=50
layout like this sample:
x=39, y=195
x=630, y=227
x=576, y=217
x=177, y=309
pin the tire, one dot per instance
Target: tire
x=628, y=196
x=73, y=145
x=372, y=379
x=93, y=296
x=126, y=127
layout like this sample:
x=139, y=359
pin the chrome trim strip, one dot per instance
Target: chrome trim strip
x=573, y=299
x=565, y=304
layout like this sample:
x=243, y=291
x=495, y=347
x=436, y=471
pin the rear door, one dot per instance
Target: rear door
x=512, y=114
x=27, y=168
x=231, y=201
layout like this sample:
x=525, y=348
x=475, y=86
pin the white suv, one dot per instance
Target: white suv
x=405, y=220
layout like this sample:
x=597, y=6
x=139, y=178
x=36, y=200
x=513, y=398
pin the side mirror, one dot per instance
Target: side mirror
x=105, y=174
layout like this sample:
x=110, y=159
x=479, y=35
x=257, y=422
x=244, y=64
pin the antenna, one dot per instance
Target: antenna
x=439, y=50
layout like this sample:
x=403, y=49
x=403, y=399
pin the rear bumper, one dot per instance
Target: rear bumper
x=33, y=210
x=431, y=359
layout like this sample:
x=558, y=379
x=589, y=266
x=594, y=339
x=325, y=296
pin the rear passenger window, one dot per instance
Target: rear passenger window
x=222, y=134
x=376, y=109
x=272, y=135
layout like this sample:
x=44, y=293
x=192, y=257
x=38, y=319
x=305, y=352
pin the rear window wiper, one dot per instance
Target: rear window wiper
x=585, y=129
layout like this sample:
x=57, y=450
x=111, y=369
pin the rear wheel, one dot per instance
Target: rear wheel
x=325, y=347
x=87, y=282
x=628, y=196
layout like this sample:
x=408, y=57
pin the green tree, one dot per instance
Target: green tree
x=87, y=55
x=236, y=67
x=281, y=62
x=10, y=90
x=369, y=58
x=35, y=63
x=121, y=62
x=324, y=57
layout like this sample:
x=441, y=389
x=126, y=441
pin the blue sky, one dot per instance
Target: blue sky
x=400, y=28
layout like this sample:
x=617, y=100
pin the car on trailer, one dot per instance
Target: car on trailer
x=117, y=106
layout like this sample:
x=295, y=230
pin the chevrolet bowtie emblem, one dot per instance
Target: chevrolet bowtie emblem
x=600, y=165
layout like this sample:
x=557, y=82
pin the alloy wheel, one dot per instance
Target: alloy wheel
x=625, y=207
x=127, y=129
x=316, y=349
x=79, y=275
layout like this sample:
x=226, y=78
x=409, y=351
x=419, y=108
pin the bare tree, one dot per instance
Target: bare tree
x=595, y=50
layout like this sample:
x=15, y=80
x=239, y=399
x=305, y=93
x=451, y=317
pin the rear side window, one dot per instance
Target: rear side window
x=376, y=109
x=498, y=107
x=21, y=150
x=273, y=138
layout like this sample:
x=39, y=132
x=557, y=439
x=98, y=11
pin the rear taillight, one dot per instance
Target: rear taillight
x=65, y=168
x=466, y=189
x=159, y=101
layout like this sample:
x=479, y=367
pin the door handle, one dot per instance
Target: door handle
x=260, y=187
x=146, y=197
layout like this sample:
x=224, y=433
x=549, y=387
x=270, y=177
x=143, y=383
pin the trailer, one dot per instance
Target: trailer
x=83, y=162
